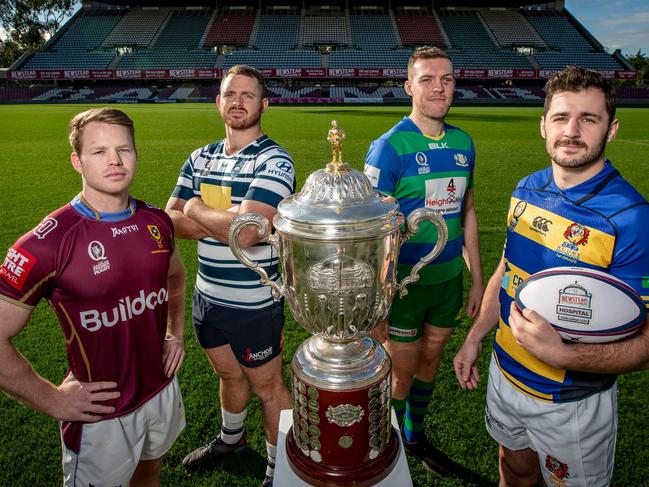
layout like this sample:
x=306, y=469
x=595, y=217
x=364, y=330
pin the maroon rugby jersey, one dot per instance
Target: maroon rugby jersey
x=107, y=283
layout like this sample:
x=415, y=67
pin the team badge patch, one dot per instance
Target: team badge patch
x=16, y=267
x=97, y=253
x=577, y=234
x=519, y=209
x=559, y=472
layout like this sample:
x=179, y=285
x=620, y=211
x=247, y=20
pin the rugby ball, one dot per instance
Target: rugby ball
x=583, y=305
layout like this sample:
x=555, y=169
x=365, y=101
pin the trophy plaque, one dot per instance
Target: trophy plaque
x=338, y=243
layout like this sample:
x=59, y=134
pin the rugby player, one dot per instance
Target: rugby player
x=236, y=320
x=552, y=406
x=107, y=264
x=423, y=162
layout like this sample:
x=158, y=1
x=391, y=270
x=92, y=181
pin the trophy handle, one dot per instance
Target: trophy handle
x=412, y=227
x=263, y=230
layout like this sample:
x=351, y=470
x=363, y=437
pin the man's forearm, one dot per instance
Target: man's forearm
x=619, y=357
x=176, y=308
x=472, y=246
x=19, y=379
x=489, y=309
x=185, y=227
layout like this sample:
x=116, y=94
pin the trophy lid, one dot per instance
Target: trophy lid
x=337, y=202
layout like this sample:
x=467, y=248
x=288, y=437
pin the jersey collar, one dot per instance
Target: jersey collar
x=84, y=208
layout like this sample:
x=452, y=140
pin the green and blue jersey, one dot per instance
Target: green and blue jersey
x=425, y=172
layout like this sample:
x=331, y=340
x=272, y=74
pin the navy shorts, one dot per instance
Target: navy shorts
x=255, y=335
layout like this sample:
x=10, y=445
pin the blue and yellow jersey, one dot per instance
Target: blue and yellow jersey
x=425, y=172
x=599, y=224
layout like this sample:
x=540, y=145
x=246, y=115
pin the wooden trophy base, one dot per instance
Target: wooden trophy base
x=319, y=475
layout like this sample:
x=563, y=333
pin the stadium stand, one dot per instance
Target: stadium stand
x=567, y=44
x=176, y=45
x=499, y=53
x=473, y=46
x=296, y=58
x=325, y=29
x=76, y=46
x=137, y=28
x=510, y=28
x=277, y=32
x=350, y=58
x=230, y=29
x=373, y=32
x=420, y=29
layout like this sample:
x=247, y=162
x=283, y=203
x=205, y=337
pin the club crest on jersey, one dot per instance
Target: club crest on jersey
x=45, y=227
x=97, y=253
x=156, y=235
x=519, y=209
x=461, y=160
x=559, y=471
x=577, y=234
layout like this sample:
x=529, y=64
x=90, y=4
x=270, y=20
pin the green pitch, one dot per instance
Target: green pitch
x=36, y=177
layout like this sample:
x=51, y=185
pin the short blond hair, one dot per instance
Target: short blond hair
x=103, y=115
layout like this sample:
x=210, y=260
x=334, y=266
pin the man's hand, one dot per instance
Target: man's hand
x=78, y=401
x=173, y=354
x=536, y=335
x=465, y=366
x=474, y=299
x=191, y=205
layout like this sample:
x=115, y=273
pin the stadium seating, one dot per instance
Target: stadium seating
x=125, y=38
x=296, y=58
x=325, y=29
x=373, y=32
x=230, y=29
x=557, y=31
x=75, y=48
x=473, y=46
x=175, y=47
x=137, y=28
x=510, y=28
x=277, y=32
x=351, y=58
x=420, y=30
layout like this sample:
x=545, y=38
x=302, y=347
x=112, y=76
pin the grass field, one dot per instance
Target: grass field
x=36, y=178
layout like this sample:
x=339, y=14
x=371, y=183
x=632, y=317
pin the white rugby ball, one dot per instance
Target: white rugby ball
x=583, y=305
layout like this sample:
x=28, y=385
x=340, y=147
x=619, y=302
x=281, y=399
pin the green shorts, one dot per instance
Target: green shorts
x=436, y=304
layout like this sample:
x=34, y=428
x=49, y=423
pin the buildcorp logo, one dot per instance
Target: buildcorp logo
x=126, y=309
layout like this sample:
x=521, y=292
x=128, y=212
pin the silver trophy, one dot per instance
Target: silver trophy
x=338, y=243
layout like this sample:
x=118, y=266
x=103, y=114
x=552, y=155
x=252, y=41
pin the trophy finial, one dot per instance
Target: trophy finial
x=335, y=137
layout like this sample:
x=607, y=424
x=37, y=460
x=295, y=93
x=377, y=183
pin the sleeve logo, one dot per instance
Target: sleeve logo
x=45, y=227
x=16, y=267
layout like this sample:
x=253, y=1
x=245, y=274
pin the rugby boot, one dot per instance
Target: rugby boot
x=215, y=448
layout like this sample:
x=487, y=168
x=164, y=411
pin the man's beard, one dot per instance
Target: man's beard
x=243, y=123
x=587, y=159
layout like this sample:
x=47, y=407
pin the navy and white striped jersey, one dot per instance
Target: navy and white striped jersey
x=261, y=171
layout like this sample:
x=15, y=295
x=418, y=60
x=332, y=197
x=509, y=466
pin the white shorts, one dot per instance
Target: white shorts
x=575, y=441
x=111, y=450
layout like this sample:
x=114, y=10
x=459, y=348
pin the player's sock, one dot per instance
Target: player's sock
x=399, y=406
x=416, y=405
x=232, y=426
x=270, y=466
